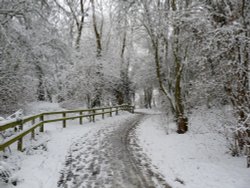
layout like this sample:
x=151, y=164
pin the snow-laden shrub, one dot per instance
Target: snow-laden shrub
x=41, y=106
x=36, y=149
x=6, y=175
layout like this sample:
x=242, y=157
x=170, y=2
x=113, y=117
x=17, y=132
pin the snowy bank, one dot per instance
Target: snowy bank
x=197, y=159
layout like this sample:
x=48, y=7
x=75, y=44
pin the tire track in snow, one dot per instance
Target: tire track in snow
x=111, y=158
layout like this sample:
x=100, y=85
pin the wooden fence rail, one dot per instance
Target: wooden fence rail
x=38, y=121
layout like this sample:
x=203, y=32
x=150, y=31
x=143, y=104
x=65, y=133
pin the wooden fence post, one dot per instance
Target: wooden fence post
x=42, y=125
x=20, y=144
x=102, y=113
x=116, y=112
x=33, y=134
x=93, y=115
x=111, y=112
x=33, y=131
x=80, y=119
x=64, y=121
x=90, y=117
x=132, y=109
x=21, y=125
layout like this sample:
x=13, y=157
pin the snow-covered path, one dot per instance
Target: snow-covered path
x=112, y=159
x=104, y=154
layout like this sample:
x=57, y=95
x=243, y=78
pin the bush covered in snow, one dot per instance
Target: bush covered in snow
x=6, y=174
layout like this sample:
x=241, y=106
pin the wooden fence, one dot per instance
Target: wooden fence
x=38, y=121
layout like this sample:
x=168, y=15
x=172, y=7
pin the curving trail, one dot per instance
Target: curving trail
x=113, y=159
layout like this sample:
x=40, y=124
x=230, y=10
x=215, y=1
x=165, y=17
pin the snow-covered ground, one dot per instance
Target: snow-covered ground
x=40, y=164
x=197, y=159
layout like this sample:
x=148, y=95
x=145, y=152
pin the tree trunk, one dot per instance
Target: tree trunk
x=182, y=121
x=148, y=93
x=125, y=87
x=40, y=87
x=97, y=33
x=98, y=36
x=80, y=26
